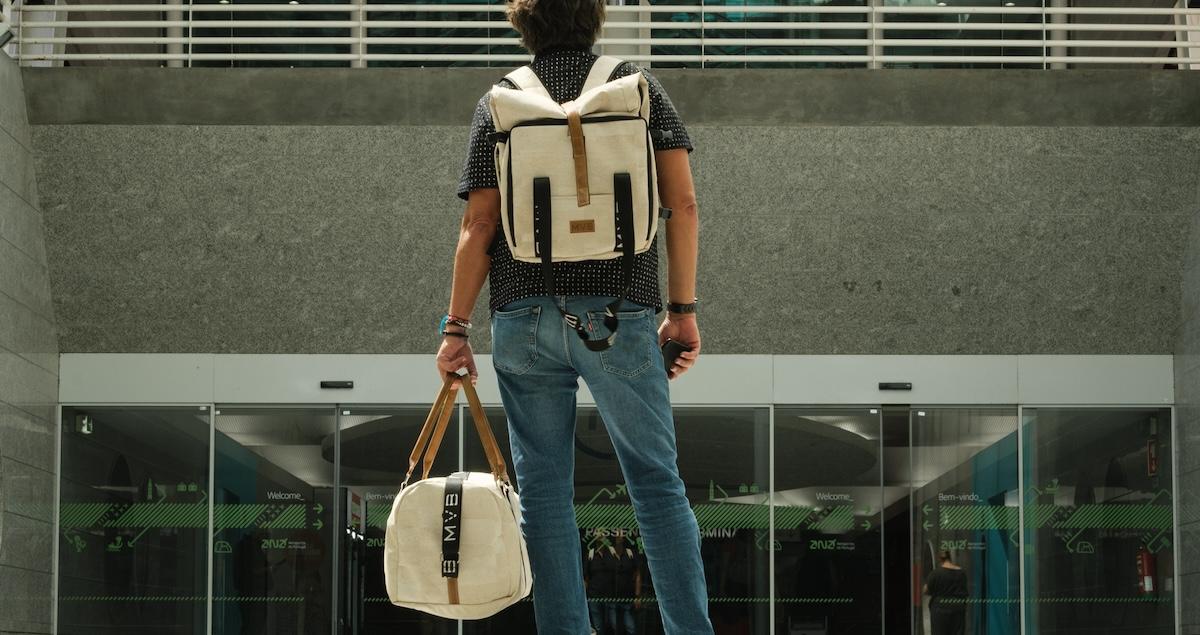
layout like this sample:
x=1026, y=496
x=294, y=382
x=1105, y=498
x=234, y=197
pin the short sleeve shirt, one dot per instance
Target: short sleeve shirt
x=563, y=72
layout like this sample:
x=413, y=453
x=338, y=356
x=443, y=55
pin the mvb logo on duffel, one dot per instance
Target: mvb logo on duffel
x=451, y=529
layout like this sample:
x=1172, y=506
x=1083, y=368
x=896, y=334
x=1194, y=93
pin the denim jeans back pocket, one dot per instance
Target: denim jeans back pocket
x=634, y=350
x=514, y=339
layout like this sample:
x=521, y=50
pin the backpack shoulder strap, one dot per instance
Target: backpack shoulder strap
x=602, y=69
x=527, y=80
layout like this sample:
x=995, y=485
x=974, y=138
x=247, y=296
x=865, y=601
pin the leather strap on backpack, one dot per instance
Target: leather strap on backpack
x=583, y=196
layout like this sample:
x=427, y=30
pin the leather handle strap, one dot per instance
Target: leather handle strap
x=491, y=449
x=436, y=424
x=439, y=404
x=583, y=195
x=435, y=442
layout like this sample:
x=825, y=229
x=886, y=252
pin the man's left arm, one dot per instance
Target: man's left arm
x=471, y=265
x=471, y=259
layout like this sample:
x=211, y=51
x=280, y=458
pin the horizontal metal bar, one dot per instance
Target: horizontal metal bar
x=1030, y=26
x=686, y=9
x=958, y=10
x=314, y=24
x=333, y=40
x=92, y=40
x=1026, y=59
x=201, y=24
x=1040, y=43
x=999, y=59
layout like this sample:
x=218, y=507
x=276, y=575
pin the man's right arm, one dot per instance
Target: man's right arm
x=678, y=194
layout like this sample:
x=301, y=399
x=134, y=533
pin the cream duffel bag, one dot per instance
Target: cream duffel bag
x=577, y=180
x=454, y=546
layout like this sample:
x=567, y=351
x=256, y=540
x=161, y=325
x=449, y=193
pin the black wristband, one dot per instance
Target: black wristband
x=674, y=307
x=456, y=334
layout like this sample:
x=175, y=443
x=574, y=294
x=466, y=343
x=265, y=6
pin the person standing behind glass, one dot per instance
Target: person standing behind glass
x=613, y=573
x=947, y=591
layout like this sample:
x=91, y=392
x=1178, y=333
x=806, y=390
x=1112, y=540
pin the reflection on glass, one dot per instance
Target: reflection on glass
x=1099, y=547
x=756, y=36
x=828, y=503
x=251, y=25
x=376, y=443
x=1015, y=30
x=965, y=518
x=273, y=539
x=133, y=518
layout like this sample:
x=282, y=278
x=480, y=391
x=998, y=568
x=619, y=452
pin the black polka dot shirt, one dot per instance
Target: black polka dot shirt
x=563, y=72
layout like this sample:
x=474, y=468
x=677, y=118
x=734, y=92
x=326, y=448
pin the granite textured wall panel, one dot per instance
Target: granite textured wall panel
x=1187, y=412
x=28, y=376
x=898, y=239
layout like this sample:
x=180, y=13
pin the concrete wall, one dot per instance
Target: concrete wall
x=1187, y=409
x=28, y=376
x=308, y=211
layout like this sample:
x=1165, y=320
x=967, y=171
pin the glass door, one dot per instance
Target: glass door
x=965, y=521
x=273, y=510
x=828, y=504
x=375, y=445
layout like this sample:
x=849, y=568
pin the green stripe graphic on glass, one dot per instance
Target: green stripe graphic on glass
x=708, y=515
x=1118, y=517
x=979, y=517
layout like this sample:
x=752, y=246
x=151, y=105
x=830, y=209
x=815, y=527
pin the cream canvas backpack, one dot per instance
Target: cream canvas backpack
x=577, y=179
x=454, y=546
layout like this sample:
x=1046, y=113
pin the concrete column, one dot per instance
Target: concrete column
x=175, y=48
x=613, y=29
x=1191, y=37
x=359, y=31
x=873, y=32
x=1057, y=51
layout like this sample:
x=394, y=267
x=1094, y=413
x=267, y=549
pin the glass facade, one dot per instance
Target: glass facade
x=815, y=520
x=1098, y=522
x=727, y=33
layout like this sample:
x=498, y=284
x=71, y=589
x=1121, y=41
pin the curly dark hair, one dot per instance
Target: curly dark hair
x=547, y=24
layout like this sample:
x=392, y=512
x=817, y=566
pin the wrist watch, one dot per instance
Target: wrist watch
x=675, y=307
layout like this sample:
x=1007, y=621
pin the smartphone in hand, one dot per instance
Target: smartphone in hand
x=671, y=350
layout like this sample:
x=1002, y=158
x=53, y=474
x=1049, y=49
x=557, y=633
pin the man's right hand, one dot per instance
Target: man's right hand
x=682, y=329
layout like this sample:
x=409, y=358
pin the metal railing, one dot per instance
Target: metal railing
x=698, y=34
x=6, y=31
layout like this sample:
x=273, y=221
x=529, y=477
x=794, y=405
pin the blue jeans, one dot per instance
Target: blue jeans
x=538, y=361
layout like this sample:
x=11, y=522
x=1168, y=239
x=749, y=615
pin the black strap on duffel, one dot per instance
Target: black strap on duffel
x=452, y=524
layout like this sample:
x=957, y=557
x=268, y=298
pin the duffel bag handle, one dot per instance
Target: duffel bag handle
x=434, y=429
